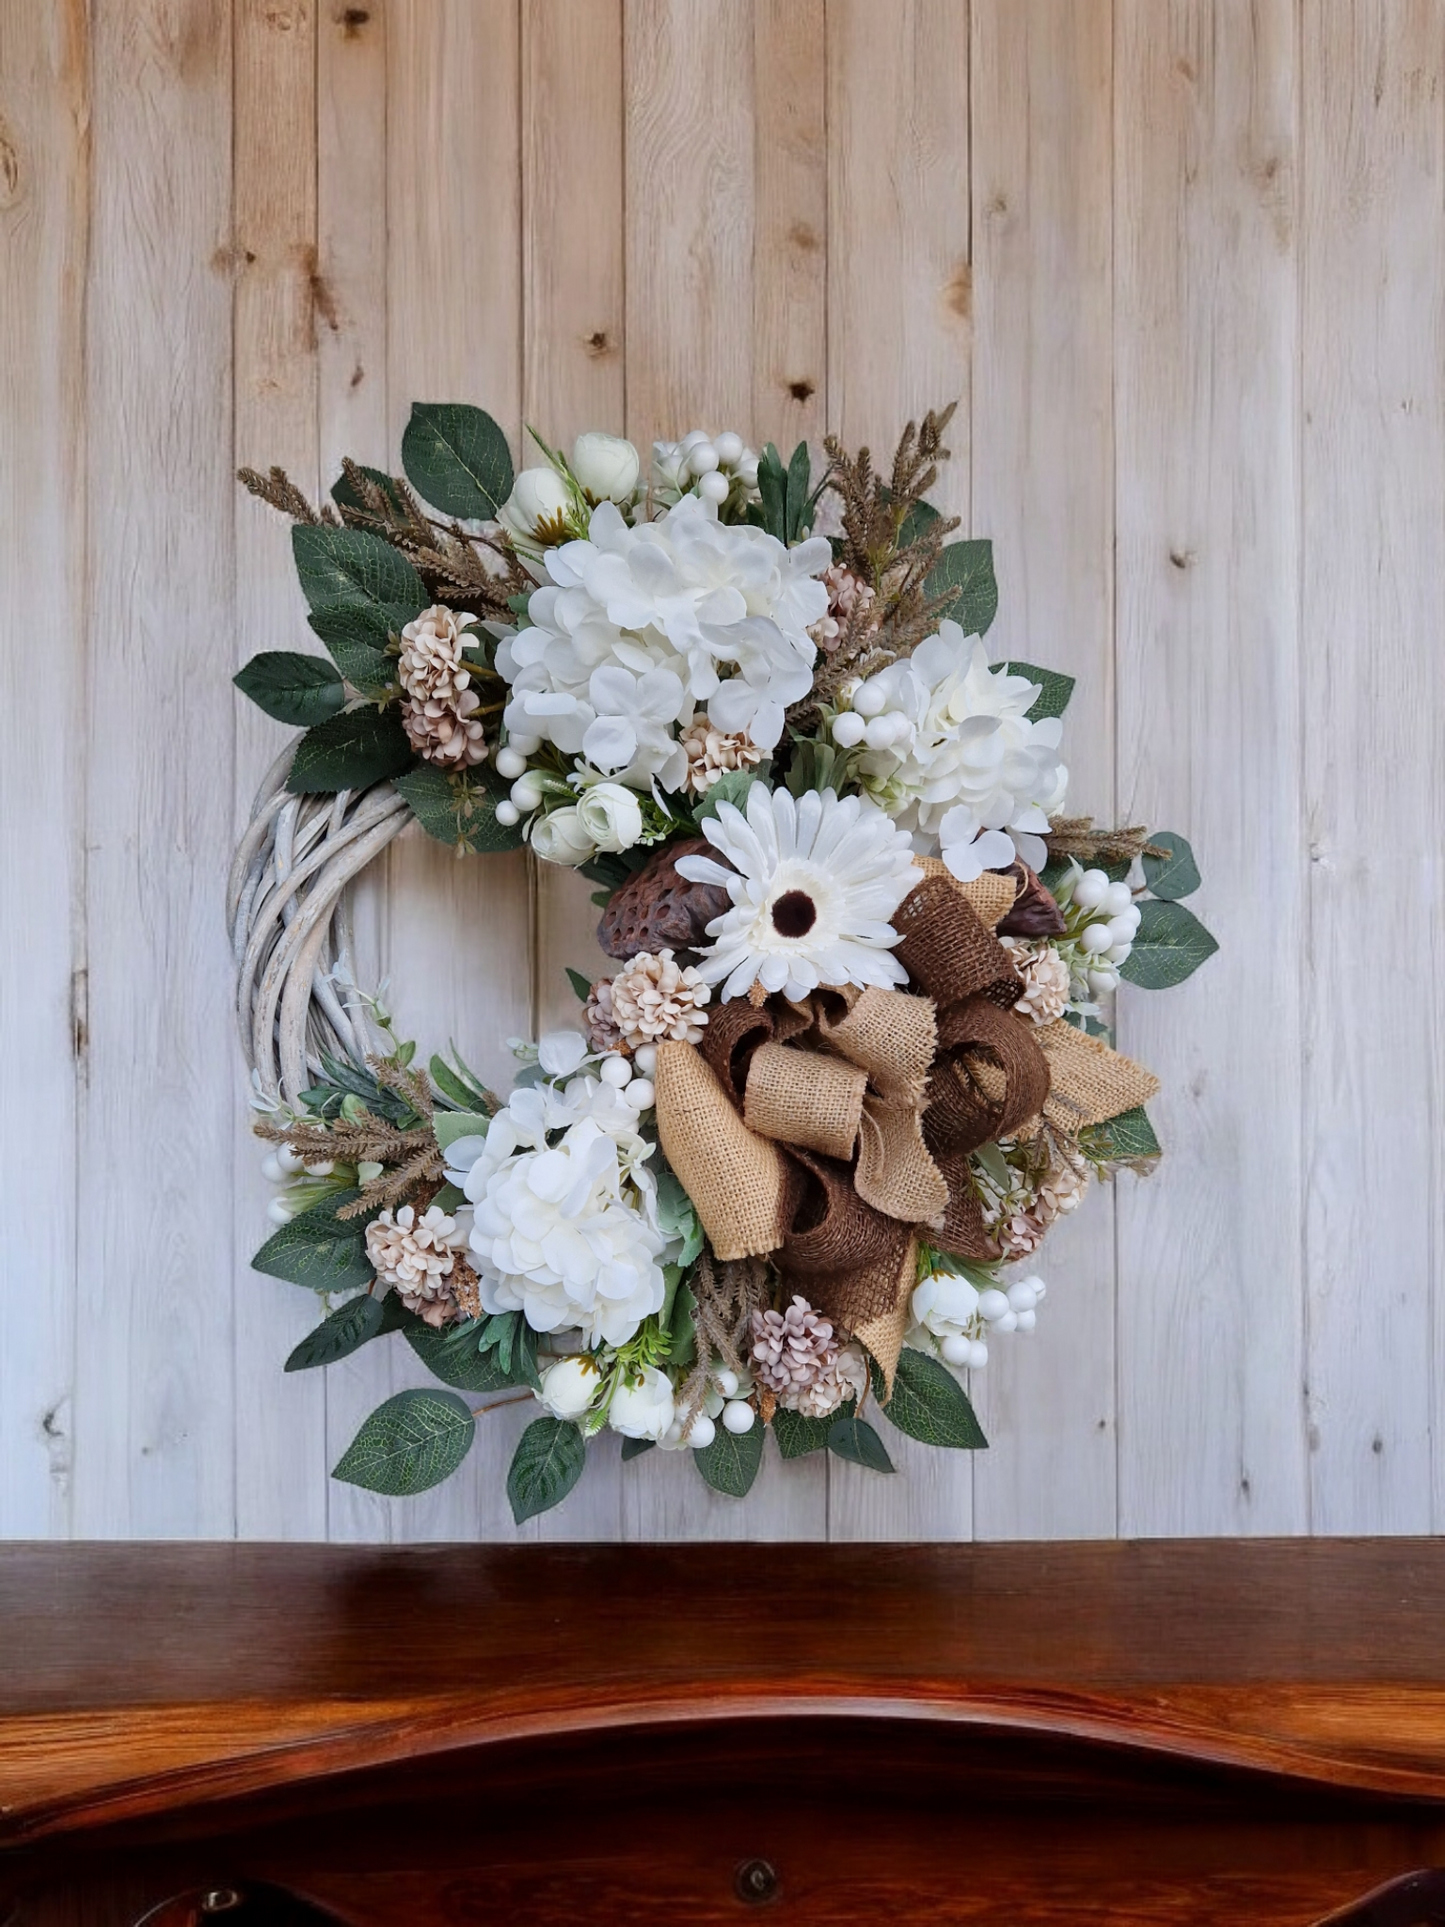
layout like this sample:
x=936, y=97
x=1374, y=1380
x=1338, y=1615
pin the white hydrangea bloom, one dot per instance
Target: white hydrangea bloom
x=813, y=883
x=949, y=751
x=566, y=1232
x=635, y=628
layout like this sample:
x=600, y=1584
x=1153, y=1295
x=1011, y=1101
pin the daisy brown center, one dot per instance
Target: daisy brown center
x=794, y=914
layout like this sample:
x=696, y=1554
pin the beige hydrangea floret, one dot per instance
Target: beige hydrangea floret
x=1045, y=978
x=439, y=703
x=654, y=999
x=712, y=753
x=416, y=1257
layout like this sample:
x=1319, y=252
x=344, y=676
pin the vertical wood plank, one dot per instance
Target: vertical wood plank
x=154, y=1399
x=899, y=342
x=1374, y=501
x=351, y=333
x=281, y=1465
x=1210, y=1291
x=573, y=254
x=696, y=153
x=572, y=379
x=44, y=190
x=459, y=932
x=790, y=243
x=1042, y=448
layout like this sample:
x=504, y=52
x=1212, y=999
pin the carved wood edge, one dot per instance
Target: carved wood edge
x=65, y=1774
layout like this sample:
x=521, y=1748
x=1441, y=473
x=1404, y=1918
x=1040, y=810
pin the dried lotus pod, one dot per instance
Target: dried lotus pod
x=656, y=909
x=1034, y=912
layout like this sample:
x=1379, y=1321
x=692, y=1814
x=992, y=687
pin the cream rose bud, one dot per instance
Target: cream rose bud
x=562, y=838
x=611, y=815
x=606, y=466
x=643, y=1410
x=569, y=1387
x=538, y=495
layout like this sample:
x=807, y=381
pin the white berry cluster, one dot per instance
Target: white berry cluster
x=1103, y=919
x=959, y=1317
x=712, y=465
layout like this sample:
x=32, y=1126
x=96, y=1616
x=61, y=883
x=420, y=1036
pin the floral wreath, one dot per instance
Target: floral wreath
x=793, y=1166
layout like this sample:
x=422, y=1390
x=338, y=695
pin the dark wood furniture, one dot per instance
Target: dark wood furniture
x=1144, y=1733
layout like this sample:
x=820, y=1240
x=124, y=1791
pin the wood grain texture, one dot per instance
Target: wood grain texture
x=900, y=329
x=275, y=319
x=1210, y=1287
x=155, y=1431
x=44, y=215
x=1373, y=415
x=1043, y=489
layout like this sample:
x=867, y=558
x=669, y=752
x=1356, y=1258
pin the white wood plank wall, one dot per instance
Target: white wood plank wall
x=1182, y=262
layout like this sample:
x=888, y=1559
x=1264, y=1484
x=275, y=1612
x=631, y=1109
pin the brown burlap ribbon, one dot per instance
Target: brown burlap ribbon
x=831, y=1133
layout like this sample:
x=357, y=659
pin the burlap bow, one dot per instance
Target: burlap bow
x=831, y=1133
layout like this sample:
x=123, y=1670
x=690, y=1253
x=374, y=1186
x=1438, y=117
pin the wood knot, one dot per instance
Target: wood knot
x=352, y=19
x=801, y=390
x=598, y=343
x=9, y=168
x=958, y=290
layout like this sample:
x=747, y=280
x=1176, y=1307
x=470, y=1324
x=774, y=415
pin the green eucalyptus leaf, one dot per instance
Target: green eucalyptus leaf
x=965, y=570
x=928, y=1403
x=353, y=569
x=318, y=1249
x=413, y=1441
x=450, y=1125
x=348, y=1328
x=1053, y=698
x=797, y=1435
x=459, y=810
x=773, y=491
x=1173, y=876
x=730, y=1463
x=677, y=1216
x=731, y=787
x=916, y=520
x=350, y=751
x=1120, y=1139
x=294, y=689
x=546, y=1465
x=453, y=1355
x=1169, y=945
x=580, y=984
x=797, y=517
x=456, y=458
x=853, y=1438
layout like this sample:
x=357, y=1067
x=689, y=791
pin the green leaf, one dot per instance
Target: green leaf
x=1120, y=1139
x=453, y=1356
x=1173, y=876
x=966, y=569
x=634, y=1448
x=546, y=1465
x=730, y=1463
x=928, y=1403
x=356, y=637
x=450, y=1125
x=1170, y=945
x=300, y=690
x=318, y=1249
x=682, y=1327
x=1053, y=699
x=773, y=490
x=458, y=1085
x=413, y=1441
x=350, y=751
x=457, y=458
x=915, y=521
x=816, y=766
x=731, y=787
x=800, y=472
x=797, y=1435
x=853, y=1438
x=580, y=984
x=677, y=1216
x=457, y=810
x=346, y=497
x=350, y=568
x=347, y=1329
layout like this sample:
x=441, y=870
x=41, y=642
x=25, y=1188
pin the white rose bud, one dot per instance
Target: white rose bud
x=561, y=838
x=643, y=1410
x=569, y=1387
x=606, y=466
x=538, y=495
x=611, y=815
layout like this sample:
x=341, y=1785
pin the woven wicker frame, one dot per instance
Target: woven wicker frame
x=288, y=913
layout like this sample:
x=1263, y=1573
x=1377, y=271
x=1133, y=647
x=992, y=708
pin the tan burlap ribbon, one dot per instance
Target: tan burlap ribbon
x=832, y=1133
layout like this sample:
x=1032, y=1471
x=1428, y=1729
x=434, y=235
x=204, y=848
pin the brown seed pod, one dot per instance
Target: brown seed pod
x=1034, y=912
x=656, y=909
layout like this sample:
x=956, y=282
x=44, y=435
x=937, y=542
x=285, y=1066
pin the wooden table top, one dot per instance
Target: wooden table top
x=131, y=1674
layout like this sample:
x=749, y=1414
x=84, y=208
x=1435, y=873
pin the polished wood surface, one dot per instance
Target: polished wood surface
x=1149, y=1732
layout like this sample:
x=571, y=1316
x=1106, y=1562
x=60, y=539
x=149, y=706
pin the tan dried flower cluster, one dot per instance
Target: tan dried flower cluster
x=439, y=703
x=417, y=1256
x=1020, y=1217
x=1045, y=977
x=796, y=1355
x=654, y=999
x=846, y=592
x=602, y=1031
x=712, y=753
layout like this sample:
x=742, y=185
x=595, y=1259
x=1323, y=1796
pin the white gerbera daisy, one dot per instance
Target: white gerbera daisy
x=813, y=884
